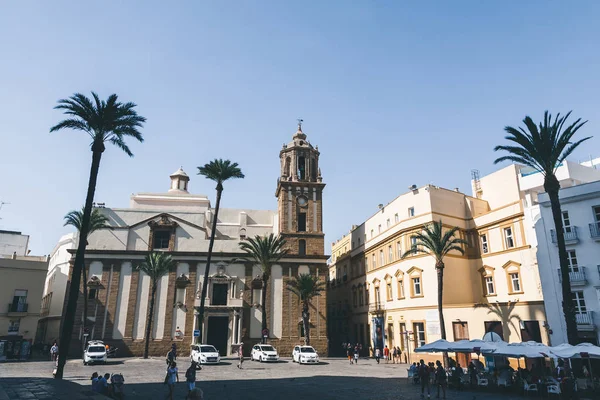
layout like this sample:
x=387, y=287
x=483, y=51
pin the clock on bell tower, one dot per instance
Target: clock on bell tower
x=300, y=197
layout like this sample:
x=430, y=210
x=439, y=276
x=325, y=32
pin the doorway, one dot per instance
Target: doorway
x=218, y=333
x=461, y=332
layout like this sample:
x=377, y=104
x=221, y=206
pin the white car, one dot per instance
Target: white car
x=264, y=352
x=305, y=355
x=205, y=354
x=95, y=352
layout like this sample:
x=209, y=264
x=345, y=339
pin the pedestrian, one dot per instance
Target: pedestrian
x=171, y=378
x=394, y=355
x=441, y=379
x=424, y=378
x=377, y=354
x=103, y=384
x=54, y=352
x=356, y=354
x=171, y=355
x=399, y=355
x=94, y=380
x=386, y=354
x=190, y=378
x=241, y=355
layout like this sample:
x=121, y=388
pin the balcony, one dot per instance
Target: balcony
x=571, y=236
x=17, y=309
x=595, y=231
x=577, y=277
x=376, y=308
x=585, y=321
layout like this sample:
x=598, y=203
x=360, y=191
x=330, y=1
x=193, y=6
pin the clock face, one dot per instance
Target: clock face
x=302, y=201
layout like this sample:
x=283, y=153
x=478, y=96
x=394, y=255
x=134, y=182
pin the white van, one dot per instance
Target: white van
x=95, y=352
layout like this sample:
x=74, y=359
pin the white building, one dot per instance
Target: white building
x=581, y=218
x=13, y=243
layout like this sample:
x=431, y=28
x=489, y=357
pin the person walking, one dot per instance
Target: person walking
x=394, y=355
x=424, y=379
x=377, y=354
x=54, y=352
x=349, y=354
x=171, y=378
x=190, y=378
x=399, y=355
x=386, y=354
x=356, y=354
x=172, y=355
x=241, y=355
x=441, y=379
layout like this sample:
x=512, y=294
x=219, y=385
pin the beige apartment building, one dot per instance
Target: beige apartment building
x=375, y=298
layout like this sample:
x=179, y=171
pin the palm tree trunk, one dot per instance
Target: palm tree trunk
x=264, y=305
x=149, y=319
x=552, y=186
x=305, y=322
x=67, y=328
x=85, y=296
x=440, y=278
x=208, y=258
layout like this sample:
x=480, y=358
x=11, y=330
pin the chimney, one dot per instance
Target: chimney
x=380, y=206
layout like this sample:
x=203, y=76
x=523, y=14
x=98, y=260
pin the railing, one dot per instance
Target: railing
x=595, y=230
x=570, y=236
x=585, y=318
x=17, y=307
x=374, y=307
x=575, y=276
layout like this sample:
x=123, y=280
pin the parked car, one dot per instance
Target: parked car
x=95, y=352
x=205, y=354
x=264, y=352
x=305, y=355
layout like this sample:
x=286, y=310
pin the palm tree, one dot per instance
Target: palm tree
x=156, y=265
x=104, y=121
x=306, y=287
x=264, y=251
x=97, y=221
x=544, y=147
x=435, y=242
x=219, y=171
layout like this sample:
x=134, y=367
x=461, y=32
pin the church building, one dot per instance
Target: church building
x=179, y=222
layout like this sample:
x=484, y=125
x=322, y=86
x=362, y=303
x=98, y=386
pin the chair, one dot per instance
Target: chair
x=503, y=381
x=529, y=388
x=482, y=381
x=581, y=384
x=553, y=389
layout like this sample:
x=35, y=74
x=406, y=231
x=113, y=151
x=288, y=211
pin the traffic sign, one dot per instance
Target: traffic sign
x=197, y=333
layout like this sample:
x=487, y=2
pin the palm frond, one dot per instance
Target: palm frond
x=264, y=251
x=306, y=286
x=156, y=265
x=220, y=171
x=98, y=220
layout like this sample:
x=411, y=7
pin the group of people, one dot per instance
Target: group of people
x=430, y=374
x=100, y=384
x=394, y=355
x=353, y=352
x=172, y=377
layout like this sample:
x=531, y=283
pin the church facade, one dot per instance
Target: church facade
x=179, y=223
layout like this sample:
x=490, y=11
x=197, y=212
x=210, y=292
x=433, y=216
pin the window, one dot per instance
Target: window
x=489, y=285
x=413, y=243
x=367, y=263
x=419, y=332
x=494, y=326
x=579, y=302
x=360, y=296
x=366, y=294
x=484, y=244
x=515, y=282
x=302, y=247
x=13, y=326
x=530, y=331
x=372, y=233
x=161, y=239
x=390, y=253
x=388, y=223
x=388, y=291
x=354, y=298
x=92, y=293
x=19, y=303
x=403, y=336
x=219, y=294
x=396, y=218
x=352, y=245
x=301, y=222
x=416, y=282
x=411, y=212
x=508, y=238
x=572, y=259
x=359, y=241
x=377, y=295
x=374, y=261
x=379, y=229
x=243, y=234
x=400, y=287
x=566, y=222
x=399, y=250
x=596, y=210
x=381, y=257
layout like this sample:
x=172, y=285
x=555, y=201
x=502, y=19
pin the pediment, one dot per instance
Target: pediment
x=167, y=220
x=414, y=270
x=510, y=264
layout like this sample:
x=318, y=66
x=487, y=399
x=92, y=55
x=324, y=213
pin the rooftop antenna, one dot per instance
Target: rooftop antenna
x=1, y=204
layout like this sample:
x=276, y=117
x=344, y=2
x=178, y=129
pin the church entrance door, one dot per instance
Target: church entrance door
x=218, y=333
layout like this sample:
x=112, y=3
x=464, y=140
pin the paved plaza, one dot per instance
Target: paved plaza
x=333, y=379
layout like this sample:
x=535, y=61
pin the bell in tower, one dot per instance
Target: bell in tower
x=179, y=181
x=299, y=192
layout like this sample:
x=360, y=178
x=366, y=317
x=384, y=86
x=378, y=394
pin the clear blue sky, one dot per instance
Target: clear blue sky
x=394, y=93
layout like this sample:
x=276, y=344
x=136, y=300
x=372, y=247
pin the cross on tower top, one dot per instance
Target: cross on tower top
x=300, y=121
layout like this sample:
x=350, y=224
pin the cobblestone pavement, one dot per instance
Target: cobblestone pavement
x=333, y=379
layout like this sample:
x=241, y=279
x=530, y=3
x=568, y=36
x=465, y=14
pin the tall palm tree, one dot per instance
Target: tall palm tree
x=219, y=171
x=264, y=251
x=97, y=221
x=156, y=265
x=433, y=241
x=104, y=121
x=306, y=287
x=544, y=147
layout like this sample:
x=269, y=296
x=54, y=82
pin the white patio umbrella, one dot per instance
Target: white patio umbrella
x=582, y=350
x=438, y=346
x=473, y=346
x=517, y=350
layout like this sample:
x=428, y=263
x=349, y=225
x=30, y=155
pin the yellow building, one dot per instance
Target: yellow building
x=21, y=290
x=377, y=299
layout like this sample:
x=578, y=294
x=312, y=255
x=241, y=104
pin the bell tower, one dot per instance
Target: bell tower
x=300, y=197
